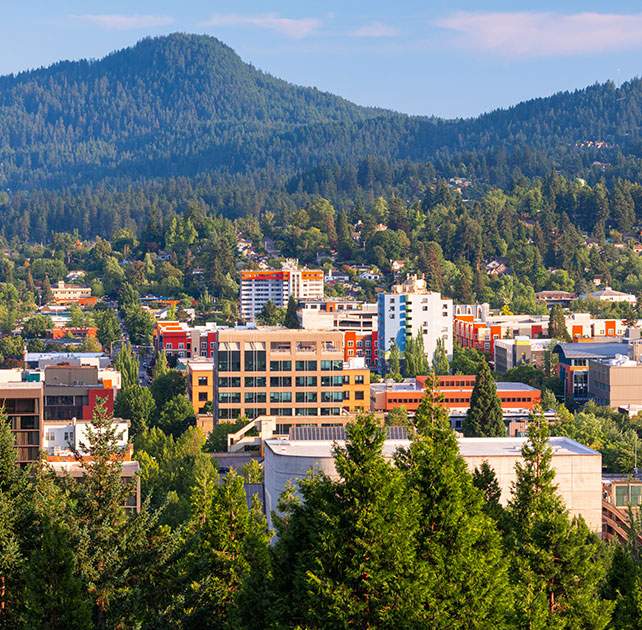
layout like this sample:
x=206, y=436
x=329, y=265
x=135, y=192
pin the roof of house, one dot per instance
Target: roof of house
x=588, y=350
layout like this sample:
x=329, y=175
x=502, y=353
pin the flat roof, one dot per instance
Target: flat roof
x=468, y=447
x=588, y=350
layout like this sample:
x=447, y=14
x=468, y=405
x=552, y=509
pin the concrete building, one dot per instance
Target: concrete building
x=510, y=353
x=456, y=391
x=73, y=391
x=69, y=293
x=615, y=382
x=66, y=438
x=279, y=372
x=574, y=361
x=550, y=298
x=609, y=295
x=40, y=360
x=23, y=401
x=578, y=468
x=411, y=309
x=276, y=286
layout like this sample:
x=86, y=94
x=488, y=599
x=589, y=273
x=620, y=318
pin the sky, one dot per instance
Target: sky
x=431, y=57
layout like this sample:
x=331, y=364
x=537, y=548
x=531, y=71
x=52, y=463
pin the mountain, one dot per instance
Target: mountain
x=185, y=105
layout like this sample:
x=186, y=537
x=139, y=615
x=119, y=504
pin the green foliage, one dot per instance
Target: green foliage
x=291, y=319
x=175, y=415
x=271, y=315
x=161, y=367
x=135, y=403
x=398, y=417
x=394, y=362
x=556, y=564
x=217, y=438
x=166, y=387
x=440, y=364
x=484, y=417
x=557, y=324
x=127, y=364
x=37, y=326
x=466, y=360
x=415, y=358
x=108, y=327
x=485, y=480
x=347, y=555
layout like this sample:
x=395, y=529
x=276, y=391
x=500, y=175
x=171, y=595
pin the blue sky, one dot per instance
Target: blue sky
x=427, y=57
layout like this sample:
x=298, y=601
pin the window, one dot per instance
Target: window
x=330, y=411
x=255, y=381
x=280, y=397
x=280, y=366
x=280, y=381
x=306, y=366
x=255, y=412
x=280, y=346
x=229, y=361
x=203, y=380
x=306, y=397
x=306, y=381
x=255, y=397
x=331, y=381
x=328, y=397
x=622, y=495
x=255, y=360
x=327, y=365
x=229, y=414
x=358, y=379
x=202, y=396
x=306, y=346
x=168, y=346
x=306, y=411
x=229, y=397
x=229, y=381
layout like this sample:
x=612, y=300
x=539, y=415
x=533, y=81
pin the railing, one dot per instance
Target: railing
x=615, y=523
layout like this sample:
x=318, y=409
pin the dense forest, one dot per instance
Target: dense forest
x=95, y=145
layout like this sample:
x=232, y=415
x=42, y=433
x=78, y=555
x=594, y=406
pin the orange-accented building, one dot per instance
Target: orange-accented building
x=258, y=287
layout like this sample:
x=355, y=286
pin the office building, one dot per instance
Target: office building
x=276, y=286
x=411, y=309
x=510, y=353
x=279, y=372
x=578, y=468
x=23, y=401
x=616, y=382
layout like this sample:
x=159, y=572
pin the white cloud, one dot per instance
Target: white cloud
x=540, y=34
x=297, y=28
x=114, y=22
x=376, y=29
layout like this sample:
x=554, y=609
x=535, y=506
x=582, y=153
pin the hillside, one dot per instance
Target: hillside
x=183, y=105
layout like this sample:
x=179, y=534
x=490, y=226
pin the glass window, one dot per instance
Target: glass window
x=255, y=397
x=280, y=397
x=280, y=366
x=306, y=381
x=280, y=381
x=331, y=381
x=203, y=380
x=255, y=381
x=229, y=361
x=306, y=366
x=328, y=397
x=255, y=360
x=229, y=397
x=229, y=381
x=306, y=397
x=202, y=396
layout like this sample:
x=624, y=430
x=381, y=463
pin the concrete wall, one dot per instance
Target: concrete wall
x=578, y=478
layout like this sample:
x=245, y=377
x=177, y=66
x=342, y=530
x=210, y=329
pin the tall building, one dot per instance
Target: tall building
x=278, y=372
x=276, y=286
x=411, y=309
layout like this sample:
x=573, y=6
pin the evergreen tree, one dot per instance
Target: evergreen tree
x=108, y=328
x=291, y=318
x=485, y=480
x=458, y=545
x=46, y=292
x=161, y=367
x=557, y=324
x=346, y=556
x=10, y=473
x=271, y=315
x=556, y=563
x=127, y=364
x=440, y=363
x=394, y=362
x=135, y=403
x=484, y=417
x=222, y=568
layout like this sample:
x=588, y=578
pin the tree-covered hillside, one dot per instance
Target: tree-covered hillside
x=187, y=104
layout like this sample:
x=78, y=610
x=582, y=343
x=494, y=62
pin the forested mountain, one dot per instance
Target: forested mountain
x=93, y=145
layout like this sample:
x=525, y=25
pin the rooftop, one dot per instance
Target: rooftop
x=468, y=447
x=588, y=350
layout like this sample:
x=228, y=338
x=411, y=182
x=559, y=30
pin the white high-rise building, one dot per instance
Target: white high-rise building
x=410, y=309
x=276, y=286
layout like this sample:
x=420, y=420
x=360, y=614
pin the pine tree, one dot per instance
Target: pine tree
x=345, y=557
x=161, y=366
x=127, y=364
x=557, y=324
x=485, y=480
x=556, y=563
x=10, y=474
x=291, y=318
x=484, y=417
x=440, y=362
x=458, y=545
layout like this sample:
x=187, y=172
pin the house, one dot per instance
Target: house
x=607, y=294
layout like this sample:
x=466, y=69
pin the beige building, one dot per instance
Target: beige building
x=615, y=382
x=64, y=293
x=578, y=469
x=283, y=372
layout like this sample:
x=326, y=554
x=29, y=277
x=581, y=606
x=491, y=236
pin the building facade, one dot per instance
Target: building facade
x=411, y=309
x=276, y=286
x=69, y=293
x=615, y=383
